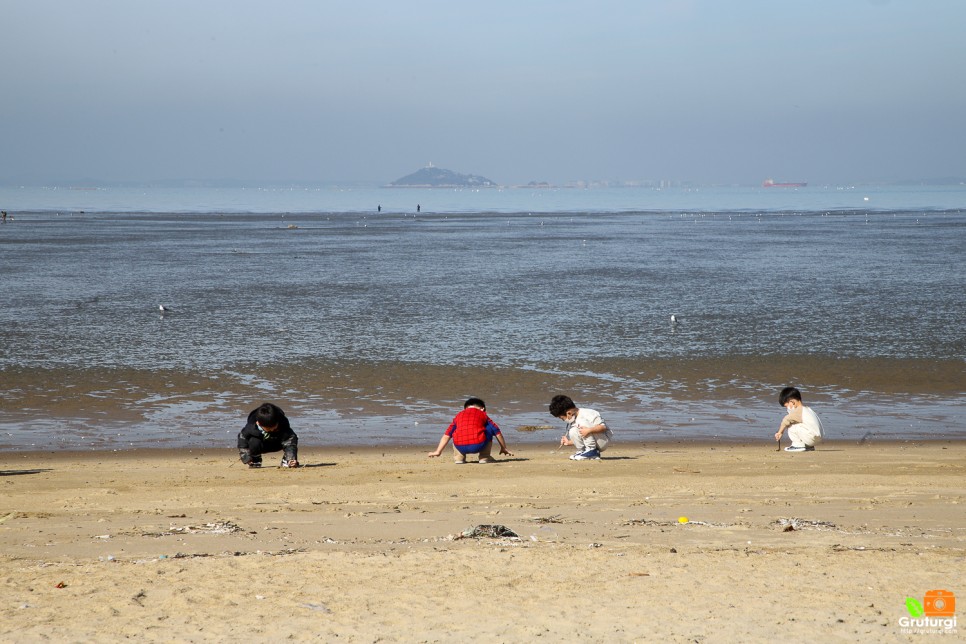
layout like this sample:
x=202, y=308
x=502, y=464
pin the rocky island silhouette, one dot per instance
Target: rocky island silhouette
x=433, y=177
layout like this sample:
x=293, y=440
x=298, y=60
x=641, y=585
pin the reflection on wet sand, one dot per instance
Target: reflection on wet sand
x=376, y=402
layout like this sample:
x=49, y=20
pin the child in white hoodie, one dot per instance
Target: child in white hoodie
x=803, y=425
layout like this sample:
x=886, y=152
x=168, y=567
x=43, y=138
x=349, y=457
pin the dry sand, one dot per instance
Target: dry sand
x=360, y=546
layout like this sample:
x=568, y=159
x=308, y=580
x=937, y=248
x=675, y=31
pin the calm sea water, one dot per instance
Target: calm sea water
x=372, y=327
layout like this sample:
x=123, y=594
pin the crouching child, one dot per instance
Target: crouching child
x=586, y=430
x=472, y=432
x=268, y=430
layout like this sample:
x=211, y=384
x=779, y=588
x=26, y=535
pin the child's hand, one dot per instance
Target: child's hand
x=565, y=441
x=505, y=451
x=433, y=454
x=778, y=436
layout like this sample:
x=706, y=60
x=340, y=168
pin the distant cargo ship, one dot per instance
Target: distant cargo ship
x=771, y=183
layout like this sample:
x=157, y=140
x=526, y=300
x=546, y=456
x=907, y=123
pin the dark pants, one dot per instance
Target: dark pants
x=258, y=446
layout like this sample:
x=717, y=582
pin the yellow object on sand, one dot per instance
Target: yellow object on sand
x=682, y=519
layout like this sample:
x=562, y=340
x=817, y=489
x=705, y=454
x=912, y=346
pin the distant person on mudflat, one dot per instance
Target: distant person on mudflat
x=472, y=432
x=802, y=424
x=268, y=430
x=586, y=430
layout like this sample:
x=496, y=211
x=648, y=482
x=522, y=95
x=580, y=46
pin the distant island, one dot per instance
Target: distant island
x=433, y=177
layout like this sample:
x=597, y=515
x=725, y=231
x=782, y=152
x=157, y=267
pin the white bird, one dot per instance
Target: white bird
x=674, y=319
x=163, y=308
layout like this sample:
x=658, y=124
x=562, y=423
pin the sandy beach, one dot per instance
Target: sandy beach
x=368, y=544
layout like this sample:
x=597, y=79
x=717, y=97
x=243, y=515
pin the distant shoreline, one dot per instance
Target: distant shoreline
x=578, y=184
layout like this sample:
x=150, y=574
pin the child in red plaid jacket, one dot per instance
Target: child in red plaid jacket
x=472, y=432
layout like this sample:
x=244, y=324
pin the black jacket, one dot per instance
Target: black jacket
x=283, y=437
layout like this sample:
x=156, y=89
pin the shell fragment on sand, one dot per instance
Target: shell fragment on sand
x=491, y=531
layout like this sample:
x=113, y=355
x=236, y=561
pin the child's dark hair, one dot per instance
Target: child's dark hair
x=560, y=405
x=475, y=402
x=268, y=415
x=789, y=393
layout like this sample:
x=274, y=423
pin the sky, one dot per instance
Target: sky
x=367, y=91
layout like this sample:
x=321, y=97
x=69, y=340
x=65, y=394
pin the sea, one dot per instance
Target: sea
x=370, y=314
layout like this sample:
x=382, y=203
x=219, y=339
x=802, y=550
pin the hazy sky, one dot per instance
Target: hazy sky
x=833, y=91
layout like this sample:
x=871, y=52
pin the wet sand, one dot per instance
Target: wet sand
x=366, y=403
x=363, y=544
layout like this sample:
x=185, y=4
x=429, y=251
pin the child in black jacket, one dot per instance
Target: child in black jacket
x=268, y=430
